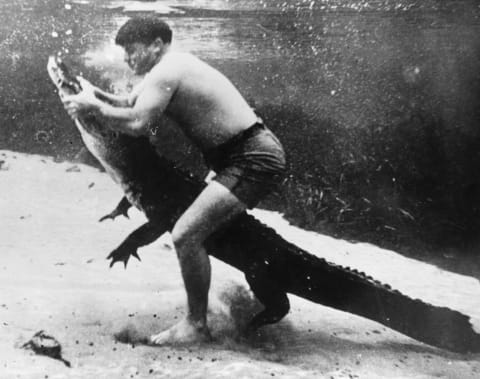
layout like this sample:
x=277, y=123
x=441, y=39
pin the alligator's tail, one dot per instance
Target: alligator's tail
x=354, y=292
x=298, y=272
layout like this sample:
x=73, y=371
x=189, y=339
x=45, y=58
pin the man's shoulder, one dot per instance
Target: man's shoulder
x=170, y=67
x=173, y=63
x=179, y=58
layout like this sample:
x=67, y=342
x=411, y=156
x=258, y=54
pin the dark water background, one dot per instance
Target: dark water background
x=377, y=102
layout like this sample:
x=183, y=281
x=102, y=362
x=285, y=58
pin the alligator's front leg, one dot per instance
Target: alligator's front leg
x=144, y=235
x=121, y=209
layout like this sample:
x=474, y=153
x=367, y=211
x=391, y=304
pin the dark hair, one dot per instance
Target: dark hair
x=145, y=29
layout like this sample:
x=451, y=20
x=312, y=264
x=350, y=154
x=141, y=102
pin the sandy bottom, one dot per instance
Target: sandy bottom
x=54, y=277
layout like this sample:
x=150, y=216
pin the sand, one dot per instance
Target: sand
x=54, y=277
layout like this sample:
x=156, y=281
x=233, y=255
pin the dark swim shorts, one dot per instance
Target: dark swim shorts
x=250, y=165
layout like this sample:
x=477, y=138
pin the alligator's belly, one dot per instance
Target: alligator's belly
x=108, y=151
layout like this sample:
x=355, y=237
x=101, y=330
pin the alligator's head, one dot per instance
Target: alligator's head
x=95, y=136
x=61, y=77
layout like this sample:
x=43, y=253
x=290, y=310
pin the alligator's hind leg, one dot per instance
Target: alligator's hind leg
x=274, y=299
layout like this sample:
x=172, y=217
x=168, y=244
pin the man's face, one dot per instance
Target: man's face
x=140, y=57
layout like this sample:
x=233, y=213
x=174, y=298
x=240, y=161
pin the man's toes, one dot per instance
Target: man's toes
x=162, y=338
x=180, y=334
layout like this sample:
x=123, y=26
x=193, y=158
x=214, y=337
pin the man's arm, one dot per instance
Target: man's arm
x=156, y=91
x=114, y=99
x=138, y=119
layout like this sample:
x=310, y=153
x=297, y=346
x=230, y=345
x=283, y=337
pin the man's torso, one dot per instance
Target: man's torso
x=205, y=104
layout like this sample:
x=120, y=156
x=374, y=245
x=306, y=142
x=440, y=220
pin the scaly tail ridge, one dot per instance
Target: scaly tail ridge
x=339, y=287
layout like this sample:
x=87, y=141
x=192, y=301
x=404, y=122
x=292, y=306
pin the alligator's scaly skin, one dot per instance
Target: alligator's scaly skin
x=273, y=267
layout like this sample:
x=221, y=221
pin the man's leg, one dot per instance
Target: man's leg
x=215, y=206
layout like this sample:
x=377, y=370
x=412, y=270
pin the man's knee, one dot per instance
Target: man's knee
x=185, y=240
x=179, y=238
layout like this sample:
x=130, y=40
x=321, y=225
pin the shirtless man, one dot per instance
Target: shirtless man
x=247, y=158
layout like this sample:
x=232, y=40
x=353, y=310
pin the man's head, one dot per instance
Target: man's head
x=144, y=40
x=145, y=29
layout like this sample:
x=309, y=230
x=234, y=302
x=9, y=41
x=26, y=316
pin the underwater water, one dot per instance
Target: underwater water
x=376, y=102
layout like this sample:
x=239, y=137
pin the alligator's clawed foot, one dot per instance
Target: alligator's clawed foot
x=273, y=299
x=122, y=254
x=267, y=316
x=276, y=308
x=114, y=214
x=121, y=210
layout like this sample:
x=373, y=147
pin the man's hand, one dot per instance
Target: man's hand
x=209, y=176
x=86, y=85
x=82, y=102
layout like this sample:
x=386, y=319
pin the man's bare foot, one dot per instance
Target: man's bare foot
x=185, y=331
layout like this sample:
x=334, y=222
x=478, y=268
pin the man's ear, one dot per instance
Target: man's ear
x=158, y=44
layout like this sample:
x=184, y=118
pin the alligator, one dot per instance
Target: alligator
x=273, y=267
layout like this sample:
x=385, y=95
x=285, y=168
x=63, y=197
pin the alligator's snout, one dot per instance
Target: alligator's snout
x=52, y=68
x=60, y=75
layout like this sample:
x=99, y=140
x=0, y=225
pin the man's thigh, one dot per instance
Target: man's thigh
x=214, y=207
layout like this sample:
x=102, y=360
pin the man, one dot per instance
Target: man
x=248, y=159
